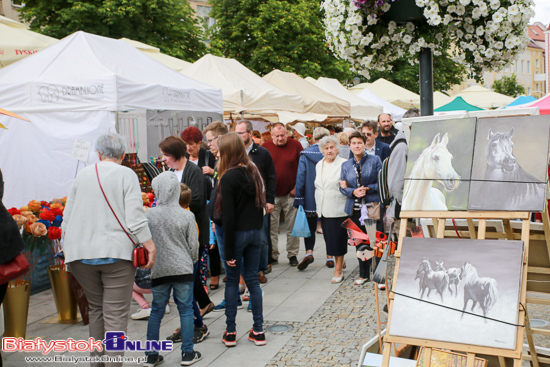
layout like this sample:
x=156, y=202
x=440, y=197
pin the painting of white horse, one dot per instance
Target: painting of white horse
x=458, y=291
x=506, y=175
x=439, y=165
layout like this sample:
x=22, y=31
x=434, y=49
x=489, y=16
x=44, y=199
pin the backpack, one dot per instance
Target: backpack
x=383, y=191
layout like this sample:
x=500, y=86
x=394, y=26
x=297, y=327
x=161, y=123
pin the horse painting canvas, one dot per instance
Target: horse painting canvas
x=510, y=164
x=439, y=165
x=459, y=291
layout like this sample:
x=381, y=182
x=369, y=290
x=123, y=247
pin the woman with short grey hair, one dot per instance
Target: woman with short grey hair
x=96, y=247
x=331, y=203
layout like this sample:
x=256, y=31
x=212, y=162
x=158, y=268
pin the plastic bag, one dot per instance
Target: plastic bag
x=143, y=278
x=301, y=228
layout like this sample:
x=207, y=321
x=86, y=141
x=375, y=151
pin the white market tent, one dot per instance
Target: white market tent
x=72, y=90
x=484, y=98
x=396, y=112
x=316, y=100
x=172, y=62
x=243, y=90
x=12, y=23
x=356, y=89
x=395, y=94
x=360, y=109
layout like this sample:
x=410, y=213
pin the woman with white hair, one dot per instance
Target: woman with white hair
x=331, y=203
x=97, y=246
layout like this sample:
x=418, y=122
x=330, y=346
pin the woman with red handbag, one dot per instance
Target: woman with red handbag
x=103, y=221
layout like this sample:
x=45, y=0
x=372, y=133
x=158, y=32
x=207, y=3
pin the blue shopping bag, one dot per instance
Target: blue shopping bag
x=301, y=228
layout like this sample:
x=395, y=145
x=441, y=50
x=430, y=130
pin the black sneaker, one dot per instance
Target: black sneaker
x=229, y=339
x=257, y=338
x=293, y=261
x=176, y=337
x=188, y=358
x=153, y=360
x=199, y=334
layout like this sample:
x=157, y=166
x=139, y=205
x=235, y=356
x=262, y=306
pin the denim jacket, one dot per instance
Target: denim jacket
x=370, y=165
x=305, y=179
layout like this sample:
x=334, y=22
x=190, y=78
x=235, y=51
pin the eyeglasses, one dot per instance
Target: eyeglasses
x=368, y=134
x=211, y=140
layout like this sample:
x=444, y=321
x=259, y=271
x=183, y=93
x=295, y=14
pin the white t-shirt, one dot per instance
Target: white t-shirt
x=196, y=162
x=179, y=174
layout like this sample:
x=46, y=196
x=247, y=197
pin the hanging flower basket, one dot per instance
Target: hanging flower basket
x=480, y=34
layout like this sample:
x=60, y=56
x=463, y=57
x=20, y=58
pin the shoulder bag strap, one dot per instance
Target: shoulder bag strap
x=105, y=196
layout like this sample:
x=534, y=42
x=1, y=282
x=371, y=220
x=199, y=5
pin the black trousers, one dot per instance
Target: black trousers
x=309, y=242
x=364, y=266
x=198, y=289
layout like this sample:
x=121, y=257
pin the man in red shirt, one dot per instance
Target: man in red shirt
x=285, y=153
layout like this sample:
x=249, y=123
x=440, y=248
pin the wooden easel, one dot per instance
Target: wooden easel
x=439, y=219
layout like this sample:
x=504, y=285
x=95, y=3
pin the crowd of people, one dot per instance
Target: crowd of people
x=220, y=204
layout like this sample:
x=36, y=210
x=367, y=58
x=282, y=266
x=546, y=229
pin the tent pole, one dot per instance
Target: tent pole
x=117, y=125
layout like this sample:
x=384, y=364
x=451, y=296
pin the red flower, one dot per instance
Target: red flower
x=14, y=211
x=56, y=211
x=54, y=233
x=47, y=215
x=45, y=203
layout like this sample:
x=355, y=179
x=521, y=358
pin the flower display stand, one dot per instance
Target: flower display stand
x=65, y=300
x=16, y=308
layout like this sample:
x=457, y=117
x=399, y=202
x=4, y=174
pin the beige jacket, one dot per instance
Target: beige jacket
x=330, y=201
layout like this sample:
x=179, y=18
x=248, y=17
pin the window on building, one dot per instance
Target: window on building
x=523, y=66
x=537, y=88
x=529, y=91
x=537, y=64
x=528, y=67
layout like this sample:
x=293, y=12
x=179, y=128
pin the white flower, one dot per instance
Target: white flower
x=465, y=2
x=489, y=53
x=460, y=9
x=495, y=4
x=480, y=31
x=513, y=10
x=447, y=19
x=386, y=7
x=436, y=20
x=459, y=33
x=385, y=39
x=497, y=17
x=476, y=13
x=410, y=27
x=407, y=39
x=451, y=9
x=499, y=45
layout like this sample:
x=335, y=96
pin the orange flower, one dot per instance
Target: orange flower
x=34, y=206
x=20, y=220
x=57, y=205
x=24, y=209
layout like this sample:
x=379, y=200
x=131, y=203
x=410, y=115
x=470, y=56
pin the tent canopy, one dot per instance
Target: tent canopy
x=172, y=62
x=18, y=43
x=484, y=98
x=543, y=104
x=316, y=100
x=12, y=23
x=356, y=89
x=360, y=108
x=441, y=99
x=243, y=90
x=395, y=94
x=458, y=104
x=85, y=72
x=387, y=107
x=521, y=100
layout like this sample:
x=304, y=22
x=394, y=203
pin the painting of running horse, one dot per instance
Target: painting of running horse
x=439, y=165
x=459, y=291
x=509, y=169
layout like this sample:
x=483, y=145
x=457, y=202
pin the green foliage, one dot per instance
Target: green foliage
x=166, y=24
x=446, y=73
x=509, y=85
x=275, y=34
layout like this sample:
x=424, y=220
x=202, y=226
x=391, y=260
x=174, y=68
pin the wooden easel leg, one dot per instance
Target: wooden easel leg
x=378, y=317
x=501, y=361
x=470, y=359
x=530, y=341
x=386, y=355
x=546, y=225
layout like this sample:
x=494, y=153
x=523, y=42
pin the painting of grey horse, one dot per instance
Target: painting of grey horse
x=459, y=291
x=509, y=167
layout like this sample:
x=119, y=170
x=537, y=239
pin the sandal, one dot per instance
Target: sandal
x=214, y=286
x=330, y=263
x=207, y=309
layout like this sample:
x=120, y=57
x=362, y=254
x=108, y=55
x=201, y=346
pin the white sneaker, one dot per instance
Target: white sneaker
x=167, y=309
x=141, y=314
x=381, y=286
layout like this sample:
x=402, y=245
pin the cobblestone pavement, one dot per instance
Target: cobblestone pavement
x=334, y=335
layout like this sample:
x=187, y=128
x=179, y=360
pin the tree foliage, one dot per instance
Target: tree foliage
x=446, y=73
x=509, y=85
x=275, y=34
x=166, y=24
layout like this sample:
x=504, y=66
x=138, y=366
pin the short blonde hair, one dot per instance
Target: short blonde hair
x=343, y=138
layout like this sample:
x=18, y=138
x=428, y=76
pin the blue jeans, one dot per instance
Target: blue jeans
x=247, y=254
x=265, y=246
x=183, y=296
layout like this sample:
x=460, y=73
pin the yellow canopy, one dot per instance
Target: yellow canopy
x=17, y=43
x=316, y=100
x=484, y=98
x=441, y=99
x=172, y=62
x=12, y=23
x=395, y=94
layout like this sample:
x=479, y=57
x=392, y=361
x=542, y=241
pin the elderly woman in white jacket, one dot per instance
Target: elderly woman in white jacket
x=331, y=203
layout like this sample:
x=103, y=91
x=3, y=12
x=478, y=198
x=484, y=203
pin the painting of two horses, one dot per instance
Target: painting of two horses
x=488, y=164
x=458, y=291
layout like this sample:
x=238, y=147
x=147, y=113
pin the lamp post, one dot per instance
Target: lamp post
x=426, y=82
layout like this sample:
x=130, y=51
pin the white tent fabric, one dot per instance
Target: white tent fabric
x=288, y=117
x=172, y=62
x=360, y=108
x=85, y=72
x=12, y=23
x=72, y=90
x=441, y=99
x=316, y=100
x=356, y=89
x=484, y=98
x=243, y=90
x=395, y=94
x=396, y=112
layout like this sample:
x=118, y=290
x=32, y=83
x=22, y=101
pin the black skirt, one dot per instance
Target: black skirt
x=336, y=237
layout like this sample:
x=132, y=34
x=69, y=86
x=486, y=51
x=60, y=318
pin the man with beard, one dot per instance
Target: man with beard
x=387, y=134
